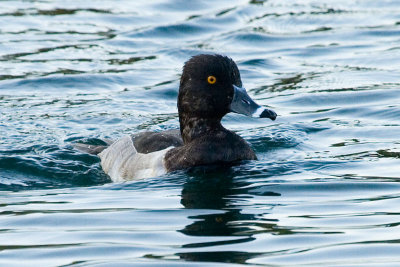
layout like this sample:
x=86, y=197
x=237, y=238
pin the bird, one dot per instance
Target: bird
x=210, y=87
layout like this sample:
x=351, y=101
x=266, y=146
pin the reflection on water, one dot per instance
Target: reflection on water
x=217, y=190
x=324, y=191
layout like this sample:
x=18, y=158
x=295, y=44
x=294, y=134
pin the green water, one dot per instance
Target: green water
x=324, y=192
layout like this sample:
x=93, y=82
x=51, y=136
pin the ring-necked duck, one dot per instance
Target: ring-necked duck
x=210, y=87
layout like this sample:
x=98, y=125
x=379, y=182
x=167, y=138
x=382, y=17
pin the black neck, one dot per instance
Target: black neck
x=195, y=127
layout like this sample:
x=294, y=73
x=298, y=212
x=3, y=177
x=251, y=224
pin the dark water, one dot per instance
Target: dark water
x=326, y=188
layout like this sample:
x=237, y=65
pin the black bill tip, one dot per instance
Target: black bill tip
x=267, y=113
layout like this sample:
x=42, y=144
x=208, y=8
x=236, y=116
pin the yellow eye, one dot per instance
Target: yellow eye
x=211, y=79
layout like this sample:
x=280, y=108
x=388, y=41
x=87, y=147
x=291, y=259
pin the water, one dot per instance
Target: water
x=324, y=192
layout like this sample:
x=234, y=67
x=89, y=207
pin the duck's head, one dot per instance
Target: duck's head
x=211, y=87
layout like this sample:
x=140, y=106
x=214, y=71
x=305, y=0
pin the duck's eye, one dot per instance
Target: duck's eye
x=211, y=79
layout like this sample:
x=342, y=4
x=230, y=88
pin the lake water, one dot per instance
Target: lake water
x=324, y=192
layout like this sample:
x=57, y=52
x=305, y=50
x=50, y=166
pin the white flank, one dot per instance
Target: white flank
x=122, y=162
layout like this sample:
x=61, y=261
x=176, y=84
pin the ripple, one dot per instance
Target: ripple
x=48, y=167
x=180, y=31
x=52, y=12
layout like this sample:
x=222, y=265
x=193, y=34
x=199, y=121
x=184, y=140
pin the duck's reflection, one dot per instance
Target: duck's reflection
x=216, y=191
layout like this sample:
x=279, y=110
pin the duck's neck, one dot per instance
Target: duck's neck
x=195, y=127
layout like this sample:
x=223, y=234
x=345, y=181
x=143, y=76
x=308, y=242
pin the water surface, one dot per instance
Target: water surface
x=324, y=192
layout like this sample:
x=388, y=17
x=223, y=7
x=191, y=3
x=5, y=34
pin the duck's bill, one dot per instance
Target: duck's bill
x=243, y=104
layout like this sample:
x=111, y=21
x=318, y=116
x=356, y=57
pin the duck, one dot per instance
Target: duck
x=210, y=87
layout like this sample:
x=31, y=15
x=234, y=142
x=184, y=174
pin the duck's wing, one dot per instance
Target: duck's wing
x=148, y=142
x=144, y=142
x=121, y=161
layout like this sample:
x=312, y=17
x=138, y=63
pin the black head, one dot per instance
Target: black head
x=206, y=87
x=211, y=87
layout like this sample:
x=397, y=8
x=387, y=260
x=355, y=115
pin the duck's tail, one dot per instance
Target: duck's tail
x=91, y=149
